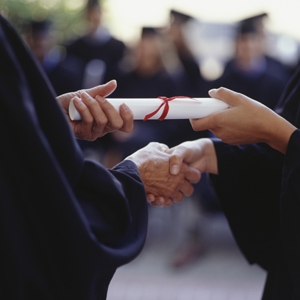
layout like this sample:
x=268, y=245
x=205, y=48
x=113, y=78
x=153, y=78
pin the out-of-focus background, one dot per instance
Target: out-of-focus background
x=166, y=48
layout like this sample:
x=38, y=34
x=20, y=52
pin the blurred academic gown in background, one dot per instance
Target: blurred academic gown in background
x=66, y=223
x=147, y=77
x=190, y=83
x=194, y=83
x=100, y=53
x=64, y=71
x=251, y=71
x=97, y=48
x=259, y=189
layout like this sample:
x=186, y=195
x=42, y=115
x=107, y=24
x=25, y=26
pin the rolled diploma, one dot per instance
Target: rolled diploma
x=179, y=108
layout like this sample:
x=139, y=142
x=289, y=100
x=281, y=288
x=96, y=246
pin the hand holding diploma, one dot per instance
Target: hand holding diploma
x=246, y=122
x=98, y=116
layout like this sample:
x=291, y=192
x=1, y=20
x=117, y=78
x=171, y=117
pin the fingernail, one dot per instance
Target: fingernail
x=114, y=80
x=124, y=108
x=100, y=99
x=85, y=96
x=175, y=169
x=150, y=198
x=164, y=147
x=158, y=202
x=78, y=101
x=212, y=90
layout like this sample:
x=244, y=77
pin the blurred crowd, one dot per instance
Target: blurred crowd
x=161, y=63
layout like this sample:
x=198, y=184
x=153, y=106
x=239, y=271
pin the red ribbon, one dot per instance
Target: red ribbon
x=165, y=103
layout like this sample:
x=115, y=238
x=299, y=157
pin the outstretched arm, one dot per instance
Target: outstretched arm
x=246, y=122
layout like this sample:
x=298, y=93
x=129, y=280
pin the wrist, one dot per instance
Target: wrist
x=134, y=160
x=211, y=157
x=279, y=135
x=204, y=156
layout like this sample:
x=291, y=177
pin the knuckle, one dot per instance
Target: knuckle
x=102, y=121
x=190, y=191
x=78, y=93
x=81, y=135
x=83, y=109
x=118, y=123
x=93, y=105
x=178, y=182
x=169, y=203
x=127, y=129
x=179, y=198
x=92, y=138
x=222, y=90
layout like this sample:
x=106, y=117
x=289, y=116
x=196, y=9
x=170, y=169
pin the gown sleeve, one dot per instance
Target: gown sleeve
x=248, y=187
x=290, y=210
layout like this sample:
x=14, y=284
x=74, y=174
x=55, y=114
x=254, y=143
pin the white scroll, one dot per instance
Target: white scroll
x=167, y=108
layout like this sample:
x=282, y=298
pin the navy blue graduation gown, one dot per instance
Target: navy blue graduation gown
x=262, y=85
x=109, y=50
x=259, y=189
x=66, y=224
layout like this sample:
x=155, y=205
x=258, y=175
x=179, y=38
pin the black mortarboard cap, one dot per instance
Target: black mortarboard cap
x=179, y=16
x=255, y=18
x=247, y=27
x=150, y=31
x=253, y=24
x=92, y=3
x=39, y=27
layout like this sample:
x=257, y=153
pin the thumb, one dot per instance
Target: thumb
x=178, y=155
x=228, y=96
x=103, y=90
x=175, y=164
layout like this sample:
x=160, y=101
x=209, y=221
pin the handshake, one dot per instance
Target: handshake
x=168, y=174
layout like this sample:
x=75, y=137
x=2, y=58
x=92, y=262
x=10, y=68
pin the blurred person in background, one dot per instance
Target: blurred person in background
x=196, y=85
x=99, y=50
x=188, y=76
x=251, y=71
x=64, y=71
x=101, y=53
x=145, y=76
x=193, y=84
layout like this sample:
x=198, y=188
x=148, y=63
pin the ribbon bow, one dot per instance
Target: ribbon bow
x=164, y=104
